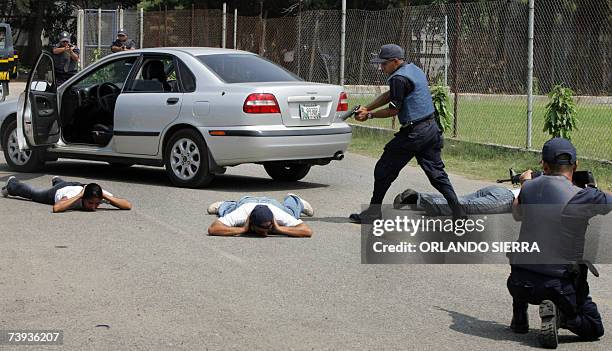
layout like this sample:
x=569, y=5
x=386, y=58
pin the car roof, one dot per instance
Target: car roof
x=195, y=51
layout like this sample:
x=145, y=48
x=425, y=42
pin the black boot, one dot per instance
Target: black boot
x=520, y=321
x=367, y=216
x=407, y=197
x=550, y=325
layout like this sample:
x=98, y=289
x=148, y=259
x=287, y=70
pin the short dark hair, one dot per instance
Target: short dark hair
x=561, y=168
x=92, y=191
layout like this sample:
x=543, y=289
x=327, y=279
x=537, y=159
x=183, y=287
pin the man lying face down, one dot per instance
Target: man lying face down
x=261, y=216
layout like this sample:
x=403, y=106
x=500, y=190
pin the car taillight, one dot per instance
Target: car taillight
x=343, y=102
x=261, y=103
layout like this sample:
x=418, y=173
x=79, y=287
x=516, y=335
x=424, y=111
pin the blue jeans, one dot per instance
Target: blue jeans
x=292, y=204
x=488, y=200
x=43, y=196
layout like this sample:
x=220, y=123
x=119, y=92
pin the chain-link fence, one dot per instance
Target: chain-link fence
x=478, y=49
x=99, y=30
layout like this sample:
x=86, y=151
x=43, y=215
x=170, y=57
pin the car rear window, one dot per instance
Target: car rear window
x=244, y=68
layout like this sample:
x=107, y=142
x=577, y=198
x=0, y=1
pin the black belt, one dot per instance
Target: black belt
x=414, y=123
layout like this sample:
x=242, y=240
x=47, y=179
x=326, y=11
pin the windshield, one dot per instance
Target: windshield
x=245, y=68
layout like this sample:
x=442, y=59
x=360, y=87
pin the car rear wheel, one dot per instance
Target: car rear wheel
x=186, y=158
x=20, y=161
x=287, y=171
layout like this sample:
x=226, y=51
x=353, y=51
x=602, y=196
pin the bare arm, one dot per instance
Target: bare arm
x=121, y=204
x=74, y=56
x=299, y=231
x=516, y=210
x=116, y=48
x=516, y=204
x=381, y=100
x=59, y=50
x=64, y=204
x=218, y=228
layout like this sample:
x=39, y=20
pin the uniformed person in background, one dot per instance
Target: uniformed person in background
x=419, y=136
x=122, y=42
x=65, y=59
x=554, y=213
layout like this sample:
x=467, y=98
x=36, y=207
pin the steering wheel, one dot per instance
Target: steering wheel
x=107, y=99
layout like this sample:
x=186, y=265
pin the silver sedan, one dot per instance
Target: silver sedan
x=194, y=111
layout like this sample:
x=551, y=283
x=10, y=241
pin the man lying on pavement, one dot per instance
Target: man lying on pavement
x=65, y=196
x=488, y=200
x=262, y=216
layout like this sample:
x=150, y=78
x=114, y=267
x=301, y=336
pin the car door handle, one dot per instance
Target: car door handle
x=172, y=101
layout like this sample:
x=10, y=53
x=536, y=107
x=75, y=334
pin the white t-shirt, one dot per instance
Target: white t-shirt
x=239, y=216
x=68, y=192
x=516, y=192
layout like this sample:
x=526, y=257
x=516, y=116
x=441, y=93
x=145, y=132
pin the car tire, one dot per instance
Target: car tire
x=287, y=171
x=20, y=161
x=186, y=159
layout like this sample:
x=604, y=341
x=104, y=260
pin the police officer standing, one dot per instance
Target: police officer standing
x=554, y=213
x=419, y=136
x=65, y=58
x=122, y=42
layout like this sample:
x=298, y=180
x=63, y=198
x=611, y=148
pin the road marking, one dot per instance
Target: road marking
x=221, y=252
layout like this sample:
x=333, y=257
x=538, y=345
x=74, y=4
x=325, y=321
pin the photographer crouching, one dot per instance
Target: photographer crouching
x=555, y=214
x=65, y=59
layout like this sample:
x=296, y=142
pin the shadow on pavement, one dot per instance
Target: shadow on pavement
x=327, y=219
x=469, y=325
x=154, y=176
x=245, y=184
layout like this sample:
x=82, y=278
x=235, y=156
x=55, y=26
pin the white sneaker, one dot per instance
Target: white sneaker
x=4, y=190
x=214, y=207
x=308, y=210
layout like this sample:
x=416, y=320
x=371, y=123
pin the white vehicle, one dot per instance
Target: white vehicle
x=193, y=110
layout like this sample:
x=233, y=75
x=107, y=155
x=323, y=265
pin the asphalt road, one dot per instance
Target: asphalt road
x=152, y=279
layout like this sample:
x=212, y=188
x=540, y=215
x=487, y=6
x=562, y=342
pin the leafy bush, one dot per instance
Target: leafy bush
x=441, y=101
x=560, y=118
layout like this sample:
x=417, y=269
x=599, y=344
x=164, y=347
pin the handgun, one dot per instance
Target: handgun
x=350, y=113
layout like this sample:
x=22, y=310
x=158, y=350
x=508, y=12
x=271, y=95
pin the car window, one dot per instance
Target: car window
x=245, y=68
x=156, y=75
x=115, y=72
x=187, y=77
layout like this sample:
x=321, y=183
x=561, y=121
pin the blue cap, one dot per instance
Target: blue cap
x=388, y=52
x=64, y=36
x=121, y=32
x=260, y=215
x=556, y=147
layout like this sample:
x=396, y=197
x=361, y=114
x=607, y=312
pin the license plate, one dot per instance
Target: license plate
x=308, y=112
x=4, y=75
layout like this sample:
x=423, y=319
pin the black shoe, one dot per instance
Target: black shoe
x=550, y=324
x=367, y=216
x=407, y=197
x=520, y=322
x=4, y=191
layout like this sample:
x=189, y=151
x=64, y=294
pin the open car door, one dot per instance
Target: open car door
x=37, y=110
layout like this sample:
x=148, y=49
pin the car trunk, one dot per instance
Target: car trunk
x=303, y=104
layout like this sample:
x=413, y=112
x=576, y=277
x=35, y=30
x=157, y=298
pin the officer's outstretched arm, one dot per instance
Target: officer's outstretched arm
x=381, y=100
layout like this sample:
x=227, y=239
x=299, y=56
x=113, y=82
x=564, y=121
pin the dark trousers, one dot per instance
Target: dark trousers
x=43, y=196
x=579, y=310
x=423, y=141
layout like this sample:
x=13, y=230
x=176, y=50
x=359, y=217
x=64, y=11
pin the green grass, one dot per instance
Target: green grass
x=476, y=160
x=503, y=121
